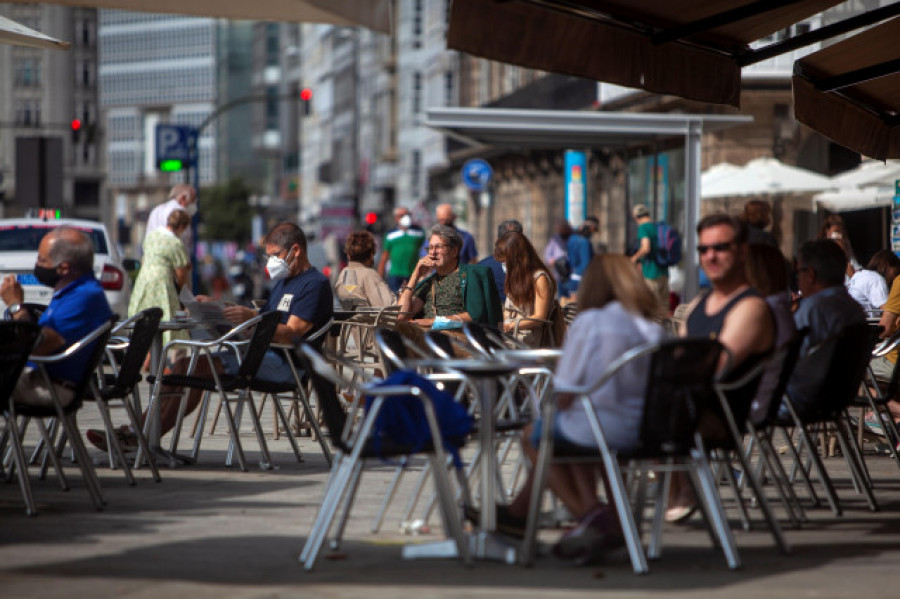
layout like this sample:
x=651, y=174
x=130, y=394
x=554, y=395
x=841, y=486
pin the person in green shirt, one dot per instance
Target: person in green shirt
x=656, y=276
x=401, y=248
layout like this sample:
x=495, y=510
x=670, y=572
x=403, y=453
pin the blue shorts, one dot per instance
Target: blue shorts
x=273, y=369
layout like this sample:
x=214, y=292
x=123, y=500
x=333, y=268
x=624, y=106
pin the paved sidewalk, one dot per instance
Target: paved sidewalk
x=212, y=531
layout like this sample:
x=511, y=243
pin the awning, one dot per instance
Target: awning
x=540, y=129
x=691, y=49
x=17, y=34
x=763, y=176
x=372, y=14
x=850, y=91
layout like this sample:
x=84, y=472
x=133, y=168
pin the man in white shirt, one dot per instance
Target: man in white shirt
x=182, y=197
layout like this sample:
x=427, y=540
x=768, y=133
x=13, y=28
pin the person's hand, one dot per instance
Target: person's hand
x=425, y=323
x=509, y=326
x=238, y=314
x=423, y=267
x=202, y=298
x=11, y=291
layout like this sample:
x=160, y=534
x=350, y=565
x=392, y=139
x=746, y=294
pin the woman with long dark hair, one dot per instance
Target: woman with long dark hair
x=530, y=290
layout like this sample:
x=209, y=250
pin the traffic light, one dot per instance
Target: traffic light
x=371, y=218
x=171, y=166
x=306, y=100
x=75, y=127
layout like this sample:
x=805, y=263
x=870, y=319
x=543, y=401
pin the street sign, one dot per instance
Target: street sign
x=476, y=174
x=173, y=145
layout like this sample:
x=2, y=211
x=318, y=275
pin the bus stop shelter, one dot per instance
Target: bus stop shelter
x=552, y=129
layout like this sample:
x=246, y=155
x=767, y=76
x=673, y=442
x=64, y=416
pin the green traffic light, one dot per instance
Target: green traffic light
x=169, y=166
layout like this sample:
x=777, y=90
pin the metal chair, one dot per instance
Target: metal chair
x=681, y=375
x=17, y=339
x=831, y=373
x=120, y=388
x=231, y=388
x=94, y=343
x=353, y=445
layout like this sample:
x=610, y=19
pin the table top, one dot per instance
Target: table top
x=470, y=366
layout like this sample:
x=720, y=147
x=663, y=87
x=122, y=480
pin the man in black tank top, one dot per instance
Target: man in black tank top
x=732, y=312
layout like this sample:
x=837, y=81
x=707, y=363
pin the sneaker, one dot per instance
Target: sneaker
x=507, y=523
x=874, y=424
x=597, y=534
x=126, y=438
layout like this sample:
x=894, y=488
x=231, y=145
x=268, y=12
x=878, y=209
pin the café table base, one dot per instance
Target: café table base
x=482, y=546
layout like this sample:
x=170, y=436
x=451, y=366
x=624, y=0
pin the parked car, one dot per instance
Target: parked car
x=19, y=240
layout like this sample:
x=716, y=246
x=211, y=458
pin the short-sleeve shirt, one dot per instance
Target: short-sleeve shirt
x=74, y=311
x=307, y=296
x=827, y=313
x=442, y=295
x=869, y=289
x=403, y=247
x=649, y=268
x=893, y=305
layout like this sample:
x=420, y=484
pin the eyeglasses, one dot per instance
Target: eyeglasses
x=716, y=247
x=441, y=247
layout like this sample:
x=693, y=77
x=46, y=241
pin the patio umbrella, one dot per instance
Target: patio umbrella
x=17, y=34
x=373, y=14
x=848, y=199
x=766, y=176
x=870, y=173
x=716, y=173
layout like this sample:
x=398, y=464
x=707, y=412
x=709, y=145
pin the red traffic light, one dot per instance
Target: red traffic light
x=306, y=94
x=76, y=124
x=371, y=218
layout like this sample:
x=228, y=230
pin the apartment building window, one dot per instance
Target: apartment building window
x=272, y=45
x=449, y=96
x=417, y=24
x=271, y=107
x=86, y=78
x=417, y=93
x=28, y=113
x=416, y=175
x=28, y=72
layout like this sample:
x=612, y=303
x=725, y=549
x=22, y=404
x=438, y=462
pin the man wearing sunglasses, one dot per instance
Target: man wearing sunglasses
x=732, y=312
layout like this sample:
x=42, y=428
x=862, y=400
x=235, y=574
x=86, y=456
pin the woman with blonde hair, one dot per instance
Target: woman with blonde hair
x=617, y=313
x=530, y=290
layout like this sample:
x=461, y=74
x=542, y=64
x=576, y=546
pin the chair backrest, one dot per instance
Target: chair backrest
x=17, y=339
x=393, y=350
x=478, y=336
x=680, y=387
x=142, y=335
x=826, y=380
x=317, y=369
x=771, y=389
x=317, y=338
x=258, y=345
x=440, y=344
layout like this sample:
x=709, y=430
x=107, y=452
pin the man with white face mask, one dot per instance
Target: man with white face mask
x=182, y=197
x=401, y=248
x=301, y=294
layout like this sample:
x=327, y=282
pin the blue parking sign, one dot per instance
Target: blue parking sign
x=173, y=142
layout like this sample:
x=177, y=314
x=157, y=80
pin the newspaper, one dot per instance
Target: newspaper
x=208, y=315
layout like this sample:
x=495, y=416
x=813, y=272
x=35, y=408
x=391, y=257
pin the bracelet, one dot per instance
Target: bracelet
x=404, y=287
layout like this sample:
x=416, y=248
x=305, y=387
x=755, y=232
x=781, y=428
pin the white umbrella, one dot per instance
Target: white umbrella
x=766, y=176
x=717, y=172
x=372, y=14
x=18, y=35
x=870, y=173
x=848, y=199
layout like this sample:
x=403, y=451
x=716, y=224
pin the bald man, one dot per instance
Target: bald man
x=445, y=216
x=65, y=262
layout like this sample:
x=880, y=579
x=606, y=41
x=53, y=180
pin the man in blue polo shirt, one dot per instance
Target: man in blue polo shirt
x=301, y=294
x=65, y=262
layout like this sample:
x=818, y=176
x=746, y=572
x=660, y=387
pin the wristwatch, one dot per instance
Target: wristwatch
x=15, y=309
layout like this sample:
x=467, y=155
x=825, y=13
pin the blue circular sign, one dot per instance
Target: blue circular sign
x=476, y=174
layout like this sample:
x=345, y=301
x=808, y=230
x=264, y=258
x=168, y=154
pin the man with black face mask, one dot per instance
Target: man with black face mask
x=65, y=262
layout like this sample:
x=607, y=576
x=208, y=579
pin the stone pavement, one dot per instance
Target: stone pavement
x=211, y=531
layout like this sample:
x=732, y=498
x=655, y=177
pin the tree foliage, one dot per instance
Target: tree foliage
x=225, y=211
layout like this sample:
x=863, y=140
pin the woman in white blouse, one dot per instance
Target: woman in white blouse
x=618, y=312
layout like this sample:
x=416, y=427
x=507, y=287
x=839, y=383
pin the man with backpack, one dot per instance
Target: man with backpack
x=655, y=274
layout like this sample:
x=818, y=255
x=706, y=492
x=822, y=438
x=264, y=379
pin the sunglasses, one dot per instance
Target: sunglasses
x=716, y=247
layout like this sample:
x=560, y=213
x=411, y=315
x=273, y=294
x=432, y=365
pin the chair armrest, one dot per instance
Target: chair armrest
x=72, y=349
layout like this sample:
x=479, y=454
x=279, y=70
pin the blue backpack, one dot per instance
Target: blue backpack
x=402, y=418
x=668, y=245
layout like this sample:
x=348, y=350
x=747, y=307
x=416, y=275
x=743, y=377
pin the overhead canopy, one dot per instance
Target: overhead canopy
x=856, y=198
x=850, y=91
x=696, y=50
x=535, y=129
x=691, y=49
x=538, y=129
x=17, y=34
x=372, y=14
x=870, y=172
